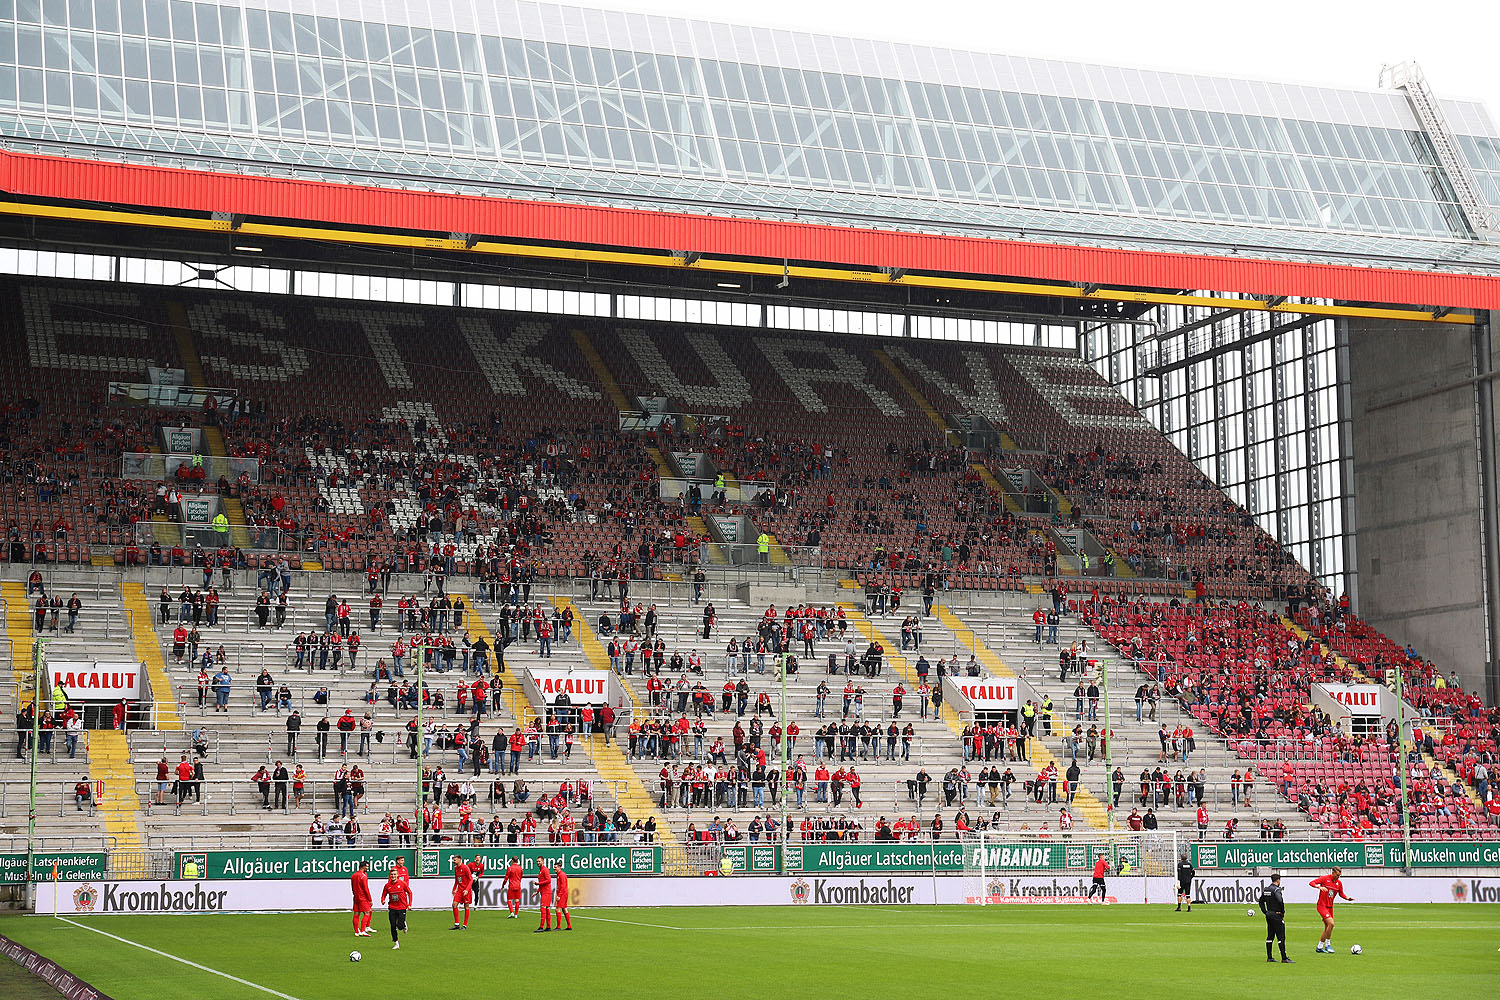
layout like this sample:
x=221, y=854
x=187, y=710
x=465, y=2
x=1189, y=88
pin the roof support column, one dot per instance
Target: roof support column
x=1489, y=497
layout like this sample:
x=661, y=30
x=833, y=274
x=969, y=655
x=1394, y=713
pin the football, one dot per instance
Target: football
x=1355, y=949
x=355, y=956
x=1249, y=913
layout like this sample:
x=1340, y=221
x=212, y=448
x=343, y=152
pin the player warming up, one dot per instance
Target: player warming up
x=463, y=892
x=364, y=907
x=513, y=888
x=560, y=914
x=1185, y=873
x=1101, y=869
x=1273, y=905
x=397, y=897
x=1330, y=887
x=544, y=894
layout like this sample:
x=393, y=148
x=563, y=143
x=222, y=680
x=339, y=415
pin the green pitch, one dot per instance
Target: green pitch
x=731, y=953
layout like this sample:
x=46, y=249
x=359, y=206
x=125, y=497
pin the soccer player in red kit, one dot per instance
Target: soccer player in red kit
x=544, y=892
x=1101, y=869
x=364, y=907
x=560, y=914
x=513, y=888
x=1330, y=887
x=463, y=892
x=397, y=897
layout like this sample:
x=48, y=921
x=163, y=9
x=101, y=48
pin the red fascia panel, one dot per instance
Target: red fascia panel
x=148, y=187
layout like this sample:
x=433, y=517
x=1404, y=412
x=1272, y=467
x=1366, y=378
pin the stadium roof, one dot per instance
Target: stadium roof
x=574, y=107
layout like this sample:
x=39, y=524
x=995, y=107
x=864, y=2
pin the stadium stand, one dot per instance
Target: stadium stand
x=437, y=455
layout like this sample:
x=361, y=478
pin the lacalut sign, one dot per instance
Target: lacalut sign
x=583, y=687
x=1360, y=699
x=97, y=680
x=990, y=694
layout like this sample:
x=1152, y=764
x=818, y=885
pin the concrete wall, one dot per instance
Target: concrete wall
x=1416, y=483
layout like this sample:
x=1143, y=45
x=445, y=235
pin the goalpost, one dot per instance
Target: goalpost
x=991, y=857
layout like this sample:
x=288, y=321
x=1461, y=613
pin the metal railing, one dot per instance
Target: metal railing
x=165, y=396
x=114, y=622
x=156, y=466
x=15, y=797
x=382, y=794
x=190, y=534
x=812, y=749
x=906, y=797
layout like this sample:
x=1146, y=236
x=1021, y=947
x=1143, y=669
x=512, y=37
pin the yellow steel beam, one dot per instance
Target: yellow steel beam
x=718, y=266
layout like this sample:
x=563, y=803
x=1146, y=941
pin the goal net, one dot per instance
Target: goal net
x=994, y=859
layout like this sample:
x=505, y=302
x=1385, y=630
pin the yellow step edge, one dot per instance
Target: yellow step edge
x=213, y=440
x=776, y=555
x=889, y=364
x=511, y=689
x=898, y=662
x=700, y=528
x=109, y=762
x=1432, y=762
x=1087, y=803
x=18, y=629
x=988, y=478
x=602, y=373
x=593, y=649
x=663, y=469
x=1064, y=505
x=148, y=652
x=182, y=332
x=609, y=759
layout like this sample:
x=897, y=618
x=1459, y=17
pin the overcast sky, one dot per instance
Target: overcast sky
x=1335, y=42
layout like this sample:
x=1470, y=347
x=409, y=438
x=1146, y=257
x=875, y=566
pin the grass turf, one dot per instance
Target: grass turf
x=18, y=984
x=1216, y=951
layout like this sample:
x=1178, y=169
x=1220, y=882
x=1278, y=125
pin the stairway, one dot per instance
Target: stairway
x=1008, y=633
x=898, y=662
x=988, y=478
x=609, y=759
x=1432, y=762
x=714, y=551
x=516, y=708
x=601, y=371
x=886, y=362
x=18, y=629
x=148, y=653
x=1088, y=804
x=119, y=807
x=213, y=438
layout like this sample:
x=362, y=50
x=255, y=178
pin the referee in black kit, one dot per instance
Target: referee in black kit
x=1273, y=905
x=1185, y=873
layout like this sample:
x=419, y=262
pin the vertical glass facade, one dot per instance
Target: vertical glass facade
x=1253, y=400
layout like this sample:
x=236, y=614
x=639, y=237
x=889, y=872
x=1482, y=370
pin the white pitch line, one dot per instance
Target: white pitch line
x=632, y=923
x=175, y=958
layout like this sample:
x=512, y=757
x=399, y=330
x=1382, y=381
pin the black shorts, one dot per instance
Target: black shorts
x=398, y=920
x=1275, y=928
x=1184, y=888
